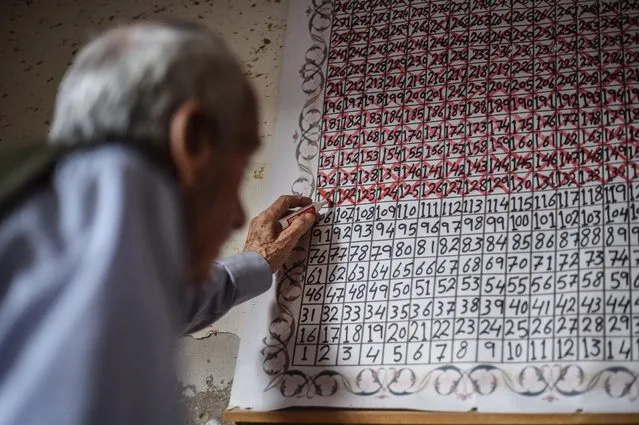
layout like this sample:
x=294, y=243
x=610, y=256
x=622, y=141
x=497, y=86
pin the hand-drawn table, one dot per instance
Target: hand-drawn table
x=482, y=251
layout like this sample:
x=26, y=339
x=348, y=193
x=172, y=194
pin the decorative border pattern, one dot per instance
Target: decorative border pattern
x=276, y=359
x=313, y=79
x=546, y=381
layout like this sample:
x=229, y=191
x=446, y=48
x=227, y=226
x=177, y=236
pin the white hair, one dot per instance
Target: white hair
x=127, y=83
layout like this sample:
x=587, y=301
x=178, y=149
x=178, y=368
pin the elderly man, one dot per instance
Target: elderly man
x=108, y=260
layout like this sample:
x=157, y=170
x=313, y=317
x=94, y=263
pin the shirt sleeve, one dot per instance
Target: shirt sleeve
x=232, y=281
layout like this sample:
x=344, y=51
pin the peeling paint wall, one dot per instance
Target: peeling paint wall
x=206, y=374
x=38, y=39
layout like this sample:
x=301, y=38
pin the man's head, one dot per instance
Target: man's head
x=176, y=86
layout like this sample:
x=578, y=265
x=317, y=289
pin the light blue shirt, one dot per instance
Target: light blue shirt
x=93, y=294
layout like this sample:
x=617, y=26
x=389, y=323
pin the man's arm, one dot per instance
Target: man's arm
x=232, y=281
x=244, y=276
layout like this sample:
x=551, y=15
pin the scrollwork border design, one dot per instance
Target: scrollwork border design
x=313, y=81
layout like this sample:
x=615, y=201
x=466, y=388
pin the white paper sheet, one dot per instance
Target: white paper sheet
x=483, y=251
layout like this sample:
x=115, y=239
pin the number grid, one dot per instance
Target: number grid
x=482, y=172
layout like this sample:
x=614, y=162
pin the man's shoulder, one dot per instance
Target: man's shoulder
x=103, y=235
x=91, y=194
x=87, y=263
x=111, y=161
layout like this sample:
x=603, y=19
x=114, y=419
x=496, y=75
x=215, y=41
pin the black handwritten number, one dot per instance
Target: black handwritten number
x=591, y=347
x=329, y=313
x=537, y=329
x=357, y=292
x=543, y=241
x=521, y=242
x=442, y=350
x=515, y=350
x=357, y=336
x=373, y=353
x=465, y=326
x=359, y=252
x=308, y=313
x=323, y=353
x=618, y=324
x=380, y=271
x=417, y=355
x=334, y=294
x=470, y=283
x=377, y=328
x=402, y=249
x=317, y=256
x=421, y=247
x=398, y=312
x=534, y=344
x=470, y=306
x=494, y=263
x=352, y=312
x=489, y=345
x=624, y=350
x=440, y=329
x=463, y=349
x=422, y=287
x=447, y=285
x=374, y=288
x=494, y=283
x=318, y=234
x=399, y=290
x=358, y=273
x=419, y=270
x=346, y=355
x=314, y=276
x=540, y=283
x=308, y=338
x=406, y=271
x=586, y=324
x=337, y=274
x=426, y=310
x=417, y=331
x=619, y=279
x=314, y=293
x=565, y=348
x=472, y=266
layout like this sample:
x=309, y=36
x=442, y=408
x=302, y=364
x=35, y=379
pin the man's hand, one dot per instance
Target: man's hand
x=266, y=237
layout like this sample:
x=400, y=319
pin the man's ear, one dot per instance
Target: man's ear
x=190, y=141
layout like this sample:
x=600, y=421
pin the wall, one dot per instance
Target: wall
x=38, y=39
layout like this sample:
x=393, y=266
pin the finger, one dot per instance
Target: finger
x=298, y=227
x=286, y=202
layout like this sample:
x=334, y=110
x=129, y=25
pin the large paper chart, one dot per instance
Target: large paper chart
x=483, y=248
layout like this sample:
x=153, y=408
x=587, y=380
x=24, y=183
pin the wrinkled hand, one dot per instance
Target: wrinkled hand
x=266, y=237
